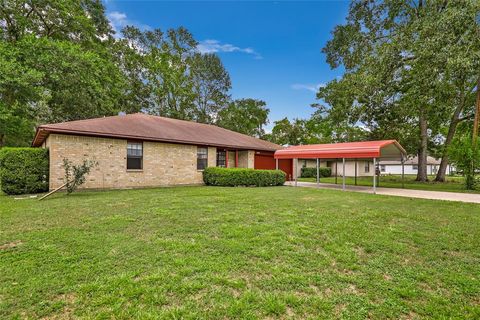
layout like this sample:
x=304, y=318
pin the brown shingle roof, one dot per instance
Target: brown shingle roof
x=153, y=128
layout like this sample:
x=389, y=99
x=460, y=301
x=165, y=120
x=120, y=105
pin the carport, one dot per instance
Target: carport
x=375, y=150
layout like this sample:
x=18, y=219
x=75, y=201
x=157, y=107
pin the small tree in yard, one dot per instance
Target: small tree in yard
x=75, y=175
x=467, y=159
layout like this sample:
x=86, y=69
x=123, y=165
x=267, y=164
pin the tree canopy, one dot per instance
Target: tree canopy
x=61, y=61
x=410, y=72
x=247, y=116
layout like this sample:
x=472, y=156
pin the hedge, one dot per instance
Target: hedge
x=231, y=177
x=312, y=172
x=23, y=170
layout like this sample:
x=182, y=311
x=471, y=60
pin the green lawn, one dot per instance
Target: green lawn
x=211, y=252
x=452, y=184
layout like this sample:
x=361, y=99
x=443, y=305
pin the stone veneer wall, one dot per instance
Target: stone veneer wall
x=163, y=163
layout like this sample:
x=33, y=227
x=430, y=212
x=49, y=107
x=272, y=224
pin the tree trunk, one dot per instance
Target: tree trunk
x=2, y=140
x=422, y=150
x=448, y=140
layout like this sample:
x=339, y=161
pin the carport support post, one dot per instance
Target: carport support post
x=336, y=171
x=343, y=176
x=374, y=176
x=355, y=171
x=318, y=173
x=403, y=173
x=378, y=182
x=276, y=164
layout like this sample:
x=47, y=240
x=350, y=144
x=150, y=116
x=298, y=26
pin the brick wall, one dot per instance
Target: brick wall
x=163, y=163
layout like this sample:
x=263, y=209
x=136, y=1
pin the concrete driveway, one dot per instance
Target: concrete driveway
x=409, y=193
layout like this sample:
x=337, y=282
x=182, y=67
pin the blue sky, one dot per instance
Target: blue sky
x=272, y=50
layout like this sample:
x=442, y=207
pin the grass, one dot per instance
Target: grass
x=211, y=252
x=452, y=184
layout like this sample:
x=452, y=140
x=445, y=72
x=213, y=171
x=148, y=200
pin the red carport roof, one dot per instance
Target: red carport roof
x=349, y=150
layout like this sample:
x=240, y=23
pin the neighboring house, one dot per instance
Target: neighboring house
x=140, y=150
x=411, y=166
x=365, y=167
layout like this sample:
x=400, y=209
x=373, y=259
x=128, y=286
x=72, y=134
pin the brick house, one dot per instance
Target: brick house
x=140, y=150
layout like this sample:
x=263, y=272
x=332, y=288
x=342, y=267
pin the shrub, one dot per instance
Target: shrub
x=232, y=177
x=75, y=175
x=312, y=172
x=467, y=159
x=23, y=170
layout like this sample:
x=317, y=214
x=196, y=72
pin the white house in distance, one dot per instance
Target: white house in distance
x=411, y=166
x=365, y=167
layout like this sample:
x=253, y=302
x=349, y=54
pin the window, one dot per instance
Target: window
x=382, y=168
x=134, y=155
x=367, y=166
x=221, y=158
x=414, y=167
x=202, y=158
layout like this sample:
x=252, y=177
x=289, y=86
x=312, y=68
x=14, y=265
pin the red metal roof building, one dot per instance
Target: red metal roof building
x=390, y=149
x=376, y=150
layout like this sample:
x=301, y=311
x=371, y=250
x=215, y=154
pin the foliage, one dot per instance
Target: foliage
x=61, y=61
x=411, y=69
x=317, y=129
x=164, y=69
x=232, y=177
x=247, y=116
x=285, y=132
x=211, y=86
x=24, y=170
x=466, y=159
x=237, y=253
x=307, y=172
x=49, y=49
x=75, y=175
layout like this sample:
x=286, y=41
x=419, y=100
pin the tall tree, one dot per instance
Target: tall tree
x=285, y=132
x=211, y=84
x=166, y=60
x=300, y=131
x=247, y=116
x=399, y=58
x=60, y=53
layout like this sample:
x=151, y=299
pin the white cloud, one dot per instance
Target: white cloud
x=310, y=87
x=214, y=46
x=119, y=20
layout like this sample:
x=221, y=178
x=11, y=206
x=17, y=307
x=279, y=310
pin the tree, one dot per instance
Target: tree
x=466, y=158
x=166, y=69
x=76, y=21
x=297, y=132
x=410, y=67
x=56, y=65
x=247, y=116
x=211, y=84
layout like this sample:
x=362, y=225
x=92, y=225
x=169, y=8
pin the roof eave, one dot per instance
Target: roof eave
x=36, y=143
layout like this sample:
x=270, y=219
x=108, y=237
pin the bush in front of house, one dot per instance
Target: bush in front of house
x=23, y=170
x=312, y=172
x=232, y=177
x=76, y=174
